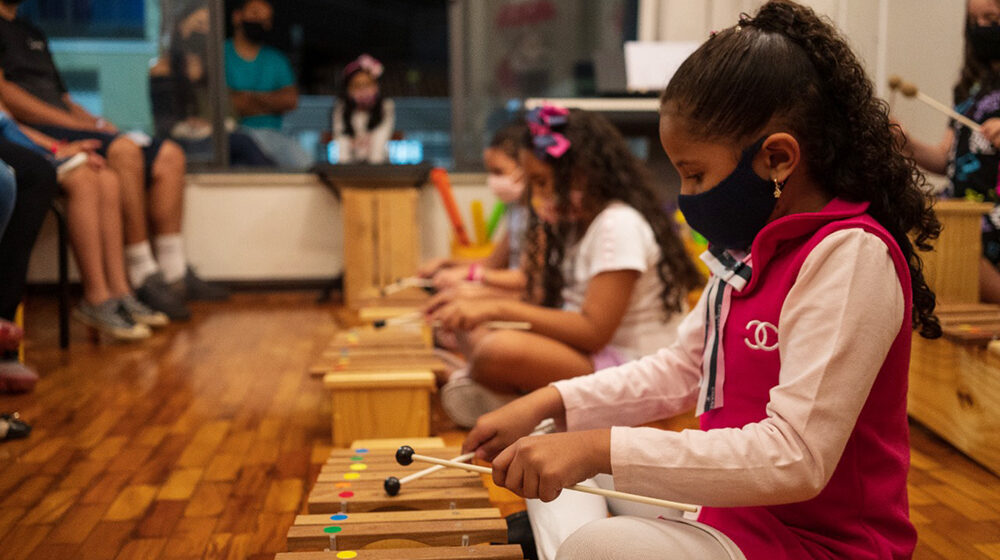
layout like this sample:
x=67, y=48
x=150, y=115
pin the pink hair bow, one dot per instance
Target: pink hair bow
x=546, y=141
x=365, y=62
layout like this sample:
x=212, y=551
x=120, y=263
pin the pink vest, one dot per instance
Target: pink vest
x=862, y=513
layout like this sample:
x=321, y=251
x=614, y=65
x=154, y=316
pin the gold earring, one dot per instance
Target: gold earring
x=778, y=185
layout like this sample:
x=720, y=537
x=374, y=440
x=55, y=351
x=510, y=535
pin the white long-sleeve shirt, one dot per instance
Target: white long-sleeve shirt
x=836, y=326
x=370, y=146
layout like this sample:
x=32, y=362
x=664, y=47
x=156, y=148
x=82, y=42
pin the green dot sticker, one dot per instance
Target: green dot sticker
x=359, y=467
x=357, y=458
x=347, y=554
x=332, y=530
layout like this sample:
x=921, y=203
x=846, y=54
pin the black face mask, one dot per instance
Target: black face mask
x=985, y=41
x=255, y=32
x=731, y=214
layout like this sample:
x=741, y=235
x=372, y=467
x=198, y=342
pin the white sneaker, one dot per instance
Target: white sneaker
x=465, y=401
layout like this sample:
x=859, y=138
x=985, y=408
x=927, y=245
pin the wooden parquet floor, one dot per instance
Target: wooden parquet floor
x=204, y=441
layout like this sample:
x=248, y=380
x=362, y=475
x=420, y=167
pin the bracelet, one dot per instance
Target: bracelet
x=475, y=273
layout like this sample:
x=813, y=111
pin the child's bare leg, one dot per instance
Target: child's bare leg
x=519, y=362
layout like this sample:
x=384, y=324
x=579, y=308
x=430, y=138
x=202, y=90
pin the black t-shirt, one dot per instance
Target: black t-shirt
x=26, y=61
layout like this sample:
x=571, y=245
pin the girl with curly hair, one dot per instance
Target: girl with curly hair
x=611, y=273
x=796, y=357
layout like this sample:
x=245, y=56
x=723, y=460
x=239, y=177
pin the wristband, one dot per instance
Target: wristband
x=475, y=273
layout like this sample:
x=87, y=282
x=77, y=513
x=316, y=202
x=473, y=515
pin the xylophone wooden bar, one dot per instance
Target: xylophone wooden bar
x=452, y=532
x=325, y=519
x=503, y=552
x=337, y=500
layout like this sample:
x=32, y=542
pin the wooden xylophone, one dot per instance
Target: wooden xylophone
x=444, y=515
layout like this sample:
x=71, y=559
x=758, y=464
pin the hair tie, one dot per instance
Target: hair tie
x=546, y=141
x=365, y=62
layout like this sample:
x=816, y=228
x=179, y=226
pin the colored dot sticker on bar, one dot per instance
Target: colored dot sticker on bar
x=352, y=476
x=359, y=467
x=342, y=485
x=347, y=554
x=357, y=458
x=361, y=450
x=331, y=530
x=338, y=517
x=346, y=494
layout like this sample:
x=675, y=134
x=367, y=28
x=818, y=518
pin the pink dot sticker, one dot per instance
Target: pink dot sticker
x=346, y=494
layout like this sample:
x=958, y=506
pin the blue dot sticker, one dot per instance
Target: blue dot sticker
x=361, y=450
x=338, y=517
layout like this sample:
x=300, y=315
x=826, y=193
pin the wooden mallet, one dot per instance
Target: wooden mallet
x=392, y=484
x=911, y=90
x=417, y=317
x=405, y=456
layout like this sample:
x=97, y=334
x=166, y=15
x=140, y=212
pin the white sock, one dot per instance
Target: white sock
x=170, y=254
x=140, y=263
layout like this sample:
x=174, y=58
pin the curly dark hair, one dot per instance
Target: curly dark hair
x=789, y=68
x=348, y=106
x=976, y=71
x=600, y=161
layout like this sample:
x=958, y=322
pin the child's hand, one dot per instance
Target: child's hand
x=462, y=291
x=465, y=315
x=991, y=131
x=429, y=268
x=450, y=277
x=541, y=466
x=495, y=430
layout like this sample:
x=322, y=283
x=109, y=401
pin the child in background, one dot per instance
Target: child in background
x=614, y=279
x=363, y=119
x=500, y=273
x=969, y=158
x=797, y=353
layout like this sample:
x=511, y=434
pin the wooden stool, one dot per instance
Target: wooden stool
x=382, y=239
x=380, y=404
x=952, y=268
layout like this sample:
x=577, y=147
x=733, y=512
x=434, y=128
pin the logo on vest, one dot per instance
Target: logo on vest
x=762, y=333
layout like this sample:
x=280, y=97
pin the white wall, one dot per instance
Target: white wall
x=259, y=227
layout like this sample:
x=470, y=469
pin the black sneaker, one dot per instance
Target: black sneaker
x=155, y=293
x=196, y=289
x=12, y=427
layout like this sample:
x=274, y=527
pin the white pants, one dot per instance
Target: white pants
x=559, y=530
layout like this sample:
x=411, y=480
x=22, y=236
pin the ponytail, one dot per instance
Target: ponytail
x=787, y=67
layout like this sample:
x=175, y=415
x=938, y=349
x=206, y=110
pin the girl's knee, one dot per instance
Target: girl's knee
x=494, y=353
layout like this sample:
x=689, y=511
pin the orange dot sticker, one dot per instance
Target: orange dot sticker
x=359, y=467
x=342, y=485
x=352, y=476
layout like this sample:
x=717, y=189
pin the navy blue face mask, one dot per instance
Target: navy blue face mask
x=732, y=213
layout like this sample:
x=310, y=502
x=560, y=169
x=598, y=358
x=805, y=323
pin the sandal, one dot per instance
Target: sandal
x=12, y=427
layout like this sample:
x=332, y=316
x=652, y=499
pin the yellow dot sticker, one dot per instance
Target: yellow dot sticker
x=347, y=554
x=352, y=476
x=359, y=467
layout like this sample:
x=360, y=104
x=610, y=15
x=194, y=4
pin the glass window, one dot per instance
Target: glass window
x=118, y=19
x=509, y=50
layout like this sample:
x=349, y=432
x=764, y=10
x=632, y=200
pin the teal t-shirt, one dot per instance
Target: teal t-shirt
x=270, y=71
